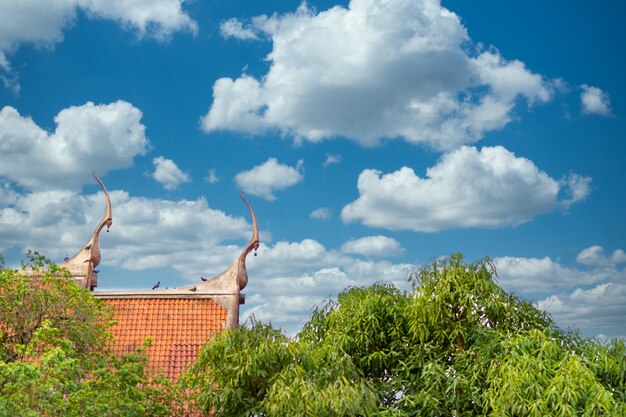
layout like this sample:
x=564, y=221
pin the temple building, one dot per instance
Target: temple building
x=178, y=321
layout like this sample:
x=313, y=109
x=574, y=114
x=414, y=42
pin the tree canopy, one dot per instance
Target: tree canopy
x=456, y=345
x=54, y=359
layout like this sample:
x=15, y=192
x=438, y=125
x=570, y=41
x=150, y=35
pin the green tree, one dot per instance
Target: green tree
x=456, y=345
x=54, y=359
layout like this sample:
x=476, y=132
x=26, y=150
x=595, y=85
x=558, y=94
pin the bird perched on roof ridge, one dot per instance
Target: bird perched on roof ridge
x=204, y=279
x=157, y=285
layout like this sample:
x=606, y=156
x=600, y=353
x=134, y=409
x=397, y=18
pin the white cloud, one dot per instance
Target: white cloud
x=262, y=180
x=591, y=299
x=168, y=174
x=466, y=188
x=322, y=213
x=594, y=256
x=28, y=22
x=595, y=101
x=601, y=307
x=155, y=18
x=332, y=159
x=373, y=246
x=289, y=278
x=88, y=137
x=373, y=71
x=211, y=177
x=577, y=187
x=239, y=107
x=233, y=28
x=539, y=275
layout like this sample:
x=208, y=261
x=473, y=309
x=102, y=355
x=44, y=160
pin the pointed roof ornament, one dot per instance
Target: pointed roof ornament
x=235, y=278
x=82, y=265
x=242, y=276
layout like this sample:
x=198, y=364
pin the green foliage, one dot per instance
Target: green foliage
x=257, y=371
x=239, y=366
x=72, y=313
x=53, y=354
x=457, y=345
x=538, y=375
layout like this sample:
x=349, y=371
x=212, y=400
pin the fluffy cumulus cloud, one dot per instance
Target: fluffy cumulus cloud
x=373, y=246
x=262, y=180
x=595, y=101
x=540, y=275
x=291, y=278
x=601, y=306
x=88, y=137
x=155, y=18
x=27, y=22
x=594, y=255
x=375, y=70
x=168, y=174
x=590, y=297
x=490, y=187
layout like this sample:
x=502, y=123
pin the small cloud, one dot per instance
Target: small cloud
x=168, y=174
x=594, y=256
x=10, y=80
x=211, y=177
x=374, y=246
x=577, y=186
x=331, y=160
x=262, y=180
x=233, y=28
x=595, y=101
x=321, y=213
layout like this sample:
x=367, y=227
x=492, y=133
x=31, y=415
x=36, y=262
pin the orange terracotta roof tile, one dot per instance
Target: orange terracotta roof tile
x=178, y=328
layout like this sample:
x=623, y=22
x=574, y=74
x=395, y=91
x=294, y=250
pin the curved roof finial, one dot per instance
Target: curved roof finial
x=253, y=244
x=107, y=221
x=83, y=263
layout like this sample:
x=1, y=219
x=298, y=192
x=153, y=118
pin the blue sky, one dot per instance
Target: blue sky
x=371, y=137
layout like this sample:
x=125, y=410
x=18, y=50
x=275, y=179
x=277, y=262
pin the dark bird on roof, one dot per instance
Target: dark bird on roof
x=194, y=289
x=204, y=279
x=67, y=258
x=157, y=285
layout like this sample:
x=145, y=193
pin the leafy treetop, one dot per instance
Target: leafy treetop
x=456, y=345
